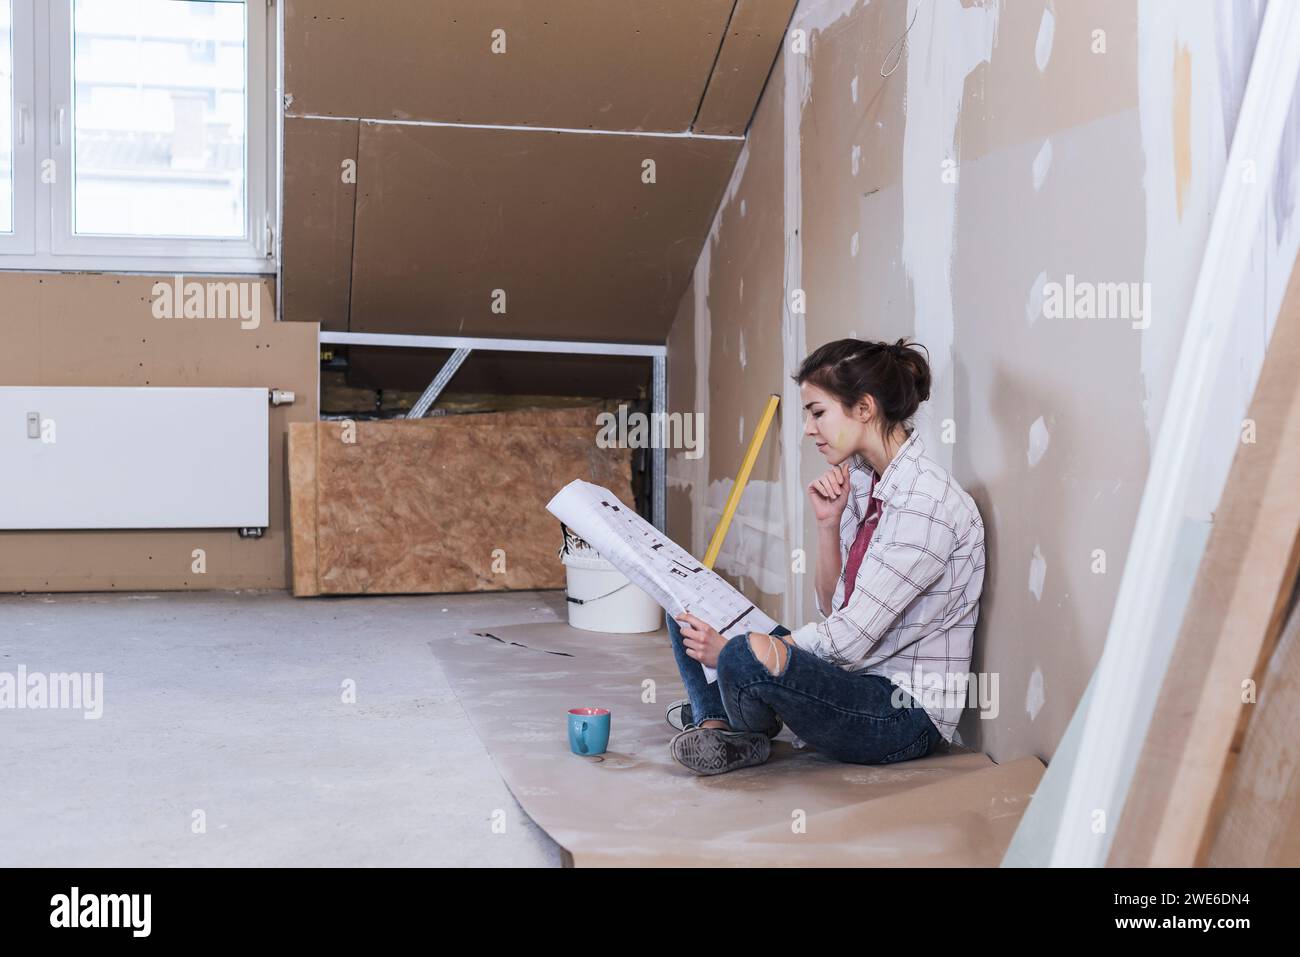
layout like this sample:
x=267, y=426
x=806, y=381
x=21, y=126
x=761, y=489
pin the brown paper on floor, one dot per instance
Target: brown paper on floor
x=635, y=806
x=449, y=504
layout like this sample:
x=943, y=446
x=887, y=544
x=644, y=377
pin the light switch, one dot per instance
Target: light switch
x=33, y=425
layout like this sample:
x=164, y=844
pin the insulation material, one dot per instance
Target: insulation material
x=83, y=329
x=447, y=504
x=634, y=806
x=486, y=232
x=752, y=40
x=578, y=64
x=320, y=173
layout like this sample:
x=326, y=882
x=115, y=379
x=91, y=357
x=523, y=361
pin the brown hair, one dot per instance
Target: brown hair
x=892, y=373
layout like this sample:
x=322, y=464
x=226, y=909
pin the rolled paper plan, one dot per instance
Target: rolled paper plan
x=663, y=569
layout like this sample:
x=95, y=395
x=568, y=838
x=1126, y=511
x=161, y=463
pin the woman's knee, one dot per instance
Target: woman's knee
x=730, y=658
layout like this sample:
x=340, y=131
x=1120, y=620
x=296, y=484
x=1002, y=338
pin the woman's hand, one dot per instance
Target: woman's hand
x=700, y=640
x=829, y=494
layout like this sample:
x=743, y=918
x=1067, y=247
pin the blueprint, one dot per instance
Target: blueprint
x=664, y=570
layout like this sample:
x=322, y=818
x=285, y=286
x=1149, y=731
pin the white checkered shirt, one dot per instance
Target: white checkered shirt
x=915, y=600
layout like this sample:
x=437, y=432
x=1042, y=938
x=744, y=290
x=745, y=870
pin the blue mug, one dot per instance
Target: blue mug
x=588, y=730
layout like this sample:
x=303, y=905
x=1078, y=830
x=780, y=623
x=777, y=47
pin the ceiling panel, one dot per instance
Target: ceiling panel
x=561, y=223
x=566, y=63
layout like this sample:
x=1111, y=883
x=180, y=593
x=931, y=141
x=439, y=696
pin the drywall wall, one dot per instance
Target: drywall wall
x=1015, y=153
x=92, y=329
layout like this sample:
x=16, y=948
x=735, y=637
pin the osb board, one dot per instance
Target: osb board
x=561, y=223
x=452, y=504
x=635, y=806
x=1229, y=630
x=502, y=373
x=576, y=64
x=1260, y=826
x=89, y=329
x=319, y=202
x=751, y=44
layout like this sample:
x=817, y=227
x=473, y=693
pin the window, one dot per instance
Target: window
x=152, y=146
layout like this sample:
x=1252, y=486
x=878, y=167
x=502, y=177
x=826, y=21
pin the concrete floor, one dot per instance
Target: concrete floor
x=230, y=704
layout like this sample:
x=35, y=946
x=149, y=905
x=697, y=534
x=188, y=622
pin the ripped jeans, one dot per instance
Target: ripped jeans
x=848, y=715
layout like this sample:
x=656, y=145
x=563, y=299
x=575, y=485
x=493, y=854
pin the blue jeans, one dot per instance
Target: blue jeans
x=847, y=715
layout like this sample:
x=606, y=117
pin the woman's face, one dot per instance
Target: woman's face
x=837, y=433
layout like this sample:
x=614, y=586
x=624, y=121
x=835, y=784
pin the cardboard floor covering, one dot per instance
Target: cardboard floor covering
x=634, y=806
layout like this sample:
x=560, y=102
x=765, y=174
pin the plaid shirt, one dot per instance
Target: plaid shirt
x=911, y=617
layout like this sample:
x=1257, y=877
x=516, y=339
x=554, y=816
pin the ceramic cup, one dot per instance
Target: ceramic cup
x=588, y=730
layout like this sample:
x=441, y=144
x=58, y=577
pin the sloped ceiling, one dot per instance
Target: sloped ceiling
x=511, y=167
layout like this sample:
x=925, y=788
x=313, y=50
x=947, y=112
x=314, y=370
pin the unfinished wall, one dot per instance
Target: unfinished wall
x=1014, y=146
x=86, y=329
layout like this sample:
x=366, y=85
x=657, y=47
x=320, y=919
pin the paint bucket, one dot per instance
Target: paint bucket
x=600, y=597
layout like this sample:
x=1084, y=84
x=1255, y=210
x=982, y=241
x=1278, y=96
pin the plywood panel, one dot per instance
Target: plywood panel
x=577, y=63
x=90, y=329
x=561, y=222
x=1261, y=808
x=751, y=44
x=319, y=202
x=451, y=504
x=302, y=507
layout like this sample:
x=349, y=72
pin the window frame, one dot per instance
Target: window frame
x=23, y=135
x=51, y=244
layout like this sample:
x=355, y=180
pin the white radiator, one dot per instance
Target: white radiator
x=91, y=457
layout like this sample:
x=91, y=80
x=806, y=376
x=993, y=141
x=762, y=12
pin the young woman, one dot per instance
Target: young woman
x=900, y=566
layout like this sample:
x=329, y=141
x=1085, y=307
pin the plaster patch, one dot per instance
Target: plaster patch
x=1037, y=573
x=855, y=159
x=755, y=542
x=853, y=244
x=1035, y=696
x=1043, y=45
x=948, y=44
x=1034, y=305
x=1042, y=163
x=1038, y=441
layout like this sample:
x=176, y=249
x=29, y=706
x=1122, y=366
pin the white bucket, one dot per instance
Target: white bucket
x=601, y=598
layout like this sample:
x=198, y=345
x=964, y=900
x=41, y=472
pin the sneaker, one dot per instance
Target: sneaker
x=706, y=751
x=680, y=717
